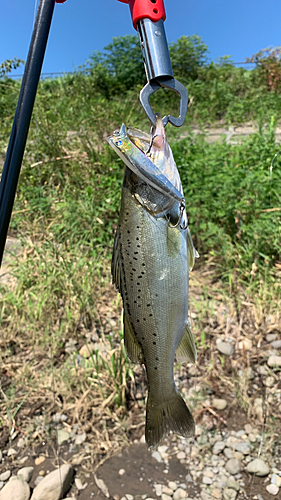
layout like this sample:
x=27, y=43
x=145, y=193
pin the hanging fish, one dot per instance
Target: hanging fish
x=152, y=256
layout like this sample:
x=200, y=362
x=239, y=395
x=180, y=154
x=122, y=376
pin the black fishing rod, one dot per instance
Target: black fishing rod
x=12, y=165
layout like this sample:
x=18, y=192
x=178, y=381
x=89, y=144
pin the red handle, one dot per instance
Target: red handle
x=153, y=9
x=60, y=1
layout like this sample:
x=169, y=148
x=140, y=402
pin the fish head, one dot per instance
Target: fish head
x=155, y=146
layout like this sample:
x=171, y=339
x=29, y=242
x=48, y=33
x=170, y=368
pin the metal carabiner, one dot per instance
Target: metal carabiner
x=169, y=83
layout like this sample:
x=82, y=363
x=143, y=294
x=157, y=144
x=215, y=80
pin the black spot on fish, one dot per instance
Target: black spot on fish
x=136, y=253
x=128, y=231
x=143, y=264
x=150, y=316
x=154, y=343
x=155, y=367
x=137, y=238
x=148, y=305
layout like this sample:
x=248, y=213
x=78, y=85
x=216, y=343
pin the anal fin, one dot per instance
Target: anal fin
x=132, y=346
x=186, y=349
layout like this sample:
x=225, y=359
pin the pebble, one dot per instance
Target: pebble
x=243, y=448
x=219, y=404
x=87, y=350
x=231, y=483
x=165, y=497
x=158, y=489
x=172, y=485
x=276, y=344
x=275, y=479
x=258, y=467
x=21, y=443
x=228, y=453
x=157, y=456
x=39, y=460
x=15, y=490
x=271, y=337
x=12, y=451
x=26, y=473
x=274, y=361
x=80, y=438
x=179, y=494
x=5, y=475
x=233, y=466
x=79, y=485
x=272, y=489
x=225, y=348
x=55, y=484
x=121, y=472
x=181, y=455
x=167, y=491
x=62, y=436
x=245, y=344
x=229, y=494
x=207, y=480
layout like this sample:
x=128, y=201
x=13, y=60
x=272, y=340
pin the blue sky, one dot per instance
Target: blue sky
x=238, y=28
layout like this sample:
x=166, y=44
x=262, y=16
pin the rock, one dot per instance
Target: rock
x=205, y=495
x=80, y=438
x=258, y=467
x=274, y=361
x=276, y=344
x=121, y=472
x=157, y=456
x=231, y=483
x=228, y=453
x=129, y=497
x=248, y=428
x=79, y=485
x=12, y=451
x=165, y=497
x=87, y=350
x=21, y=443
x=225, y=348
x=26, y=473
x=219, y=404
x=229, y=494
x=167, y=491
x=233, y=466
x=62, y=436
x=39, y=460
x=276, y=479
x=172, y=485
x=55, y=484
x=181, y=455
x=179, y=494
x=5, y=475
x=158, y=489
x=15, y=490
x=242, y=448
x=207, y=480
x=245, y=344
x=272, y=489
x=269, y=381
x=271, y=337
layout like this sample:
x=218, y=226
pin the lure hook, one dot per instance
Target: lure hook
x=180, y=221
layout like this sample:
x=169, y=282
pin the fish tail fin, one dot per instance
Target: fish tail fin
x=171, y=415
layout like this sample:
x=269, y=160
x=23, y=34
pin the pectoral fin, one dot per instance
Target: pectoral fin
x=186, y=349
x=133, y=348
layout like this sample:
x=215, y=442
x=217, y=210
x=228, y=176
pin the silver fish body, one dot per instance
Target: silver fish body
x=150, y=267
